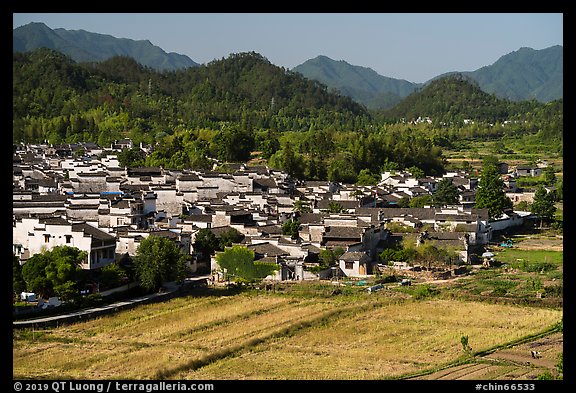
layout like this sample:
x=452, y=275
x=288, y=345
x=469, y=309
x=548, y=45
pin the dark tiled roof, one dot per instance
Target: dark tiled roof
x=353, y=256
x=337, y=232
x=96, y=233
x=267, y=249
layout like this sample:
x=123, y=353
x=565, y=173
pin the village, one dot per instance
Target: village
x=88, y=201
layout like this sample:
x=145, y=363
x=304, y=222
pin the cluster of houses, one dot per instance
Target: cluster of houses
x=89, y=201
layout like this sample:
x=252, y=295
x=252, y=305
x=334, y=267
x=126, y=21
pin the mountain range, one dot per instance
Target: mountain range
x=524, y=74
x=521, y=75
x=83, y=46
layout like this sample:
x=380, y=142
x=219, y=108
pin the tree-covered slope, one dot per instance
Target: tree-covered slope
x=362, y=84
x=524, y=74
x=452, y=98
x=244, y=90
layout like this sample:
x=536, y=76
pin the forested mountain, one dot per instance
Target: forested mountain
x=362, y=84
x=521, y=75
x=84, y=46
x=51, y=92
x=525, y=74
x=452, y=98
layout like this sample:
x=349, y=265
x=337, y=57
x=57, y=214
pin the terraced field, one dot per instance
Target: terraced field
x=273, y=336
x=515, y=363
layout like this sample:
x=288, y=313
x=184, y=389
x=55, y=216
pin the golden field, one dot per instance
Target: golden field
x=273, y=336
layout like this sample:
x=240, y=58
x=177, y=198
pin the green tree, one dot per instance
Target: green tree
x=18, y=283
x=421, y=201
x=55, y=271
x=34, y=274
x=490, y=194
x=549, y=176
x=367, y=178
x=329, y=257
x=543, y=205
x=416, y=172
x=111, y=275
x=341, y=168
x=291, y=227
x=229, y=236
x=335, y=207
x=234, y=145
x=302, y=206
x=446, y=193
x=238, y=264
x=157, y=260
x=289, y=161
x=206, y=243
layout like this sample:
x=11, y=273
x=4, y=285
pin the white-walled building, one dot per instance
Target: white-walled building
x=33, y=235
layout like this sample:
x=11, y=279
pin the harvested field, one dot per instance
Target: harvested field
x=288, y=335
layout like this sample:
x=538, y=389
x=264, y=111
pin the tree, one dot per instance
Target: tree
x=416, y=172
x=367, y=178
x=234, y=145
x=54, y=272
x=158, y=260
x=291, y=227
x=421, y=201
x=329, y=257
x=490, y=194
x=229, y=236
x=238, y=263
x=34, y=274
x=543, y=205
x=302, y=206
x=289, y=161
x=206, y=243
x=549, y=176
x=446, y=193
x=335, y=207
x=18, y=283
x=131, y=157
x=111, y=275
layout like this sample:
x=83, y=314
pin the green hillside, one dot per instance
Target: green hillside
x=362, y=84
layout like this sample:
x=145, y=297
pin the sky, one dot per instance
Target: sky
x=411, y=46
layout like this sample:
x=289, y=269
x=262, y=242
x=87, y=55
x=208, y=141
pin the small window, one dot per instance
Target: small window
x=68, y=239
x=349, y=265
x=46, y=238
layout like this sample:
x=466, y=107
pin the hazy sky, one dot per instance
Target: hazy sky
x=414, y=47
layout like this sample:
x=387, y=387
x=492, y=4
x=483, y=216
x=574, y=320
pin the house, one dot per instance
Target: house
x=39, y=204
x=502, y=168
x=33, y=235
x=528, y=170
x=355, y=264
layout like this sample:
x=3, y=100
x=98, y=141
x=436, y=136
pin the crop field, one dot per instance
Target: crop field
x=266, y=335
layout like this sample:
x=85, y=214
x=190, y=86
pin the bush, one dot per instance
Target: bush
x=423, y=291
x=536, y=266
x=554, y=290
x=387, y=279
x=499, y=291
